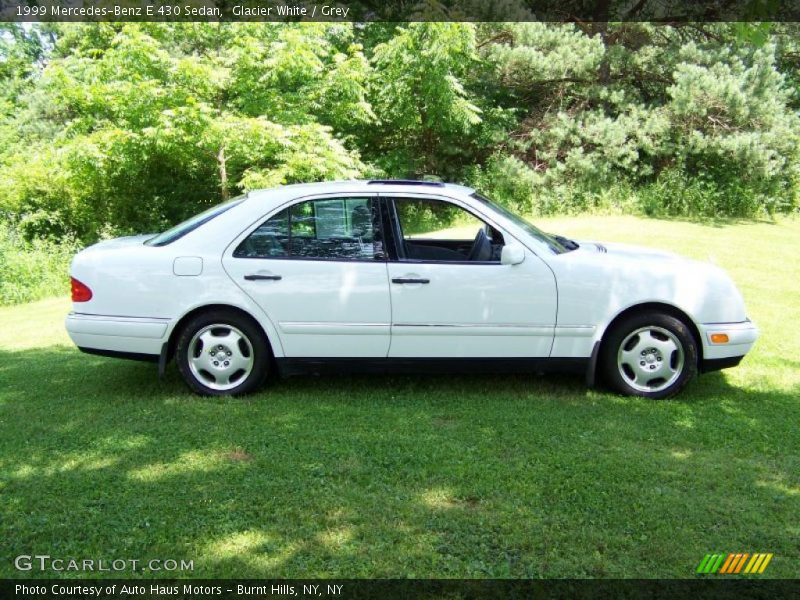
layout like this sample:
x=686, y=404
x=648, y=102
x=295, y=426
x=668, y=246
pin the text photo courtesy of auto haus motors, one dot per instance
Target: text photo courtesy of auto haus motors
x=430, y=299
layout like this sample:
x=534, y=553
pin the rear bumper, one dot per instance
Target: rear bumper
x=117, y=336
x=741, y=337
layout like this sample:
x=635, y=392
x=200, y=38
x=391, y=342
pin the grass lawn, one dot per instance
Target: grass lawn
x=414, y=476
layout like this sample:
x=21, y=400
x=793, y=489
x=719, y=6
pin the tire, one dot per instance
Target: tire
x=223, y=353
x=653, y=355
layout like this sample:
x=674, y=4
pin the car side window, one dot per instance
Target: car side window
x=434, y=230
x=329, y=229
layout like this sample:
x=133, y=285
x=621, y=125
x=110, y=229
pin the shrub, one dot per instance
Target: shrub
x=512, y=183
x=675, y=193
x=32, y=270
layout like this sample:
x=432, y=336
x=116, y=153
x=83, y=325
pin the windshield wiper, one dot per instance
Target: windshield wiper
x=566, y=242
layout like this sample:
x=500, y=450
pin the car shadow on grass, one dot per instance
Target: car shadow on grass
x=457, y=476
x=715, y=221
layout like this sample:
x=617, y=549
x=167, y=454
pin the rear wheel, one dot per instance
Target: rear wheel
x=222, y=353
x=650, y=354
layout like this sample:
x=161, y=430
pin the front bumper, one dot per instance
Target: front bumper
x=740, y=338
x=117, y=335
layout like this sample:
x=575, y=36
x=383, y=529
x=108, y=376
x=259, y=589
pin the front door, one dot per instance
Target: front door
x=318, y=270
x=451, y=296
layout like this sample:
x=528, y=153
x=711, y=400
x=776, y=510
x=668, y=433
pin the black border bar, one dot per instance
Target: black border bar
x=664, y=11
x=716, y=587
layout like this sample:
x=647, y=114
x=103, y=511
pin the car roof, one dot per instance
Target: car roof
x=355, y=186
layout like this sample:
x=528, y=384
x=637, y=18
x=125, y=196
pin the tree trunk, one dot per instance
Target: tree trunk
x=223, y=174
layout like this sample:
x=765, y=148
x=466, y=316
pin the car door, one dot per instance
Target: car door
x=318, y=270
x=447, y=303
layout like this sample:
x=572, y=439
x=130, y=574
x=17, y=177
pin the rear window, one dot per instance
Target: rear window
x=181, y=229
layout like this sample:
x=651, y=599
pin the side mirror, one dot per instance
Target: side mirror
x=512, y=254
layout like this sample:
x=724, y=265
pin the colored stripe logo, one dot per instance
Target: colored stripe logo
x=734, y=563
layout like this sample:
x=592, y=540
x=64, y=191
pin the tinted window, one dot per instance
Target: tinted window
x=338, y=228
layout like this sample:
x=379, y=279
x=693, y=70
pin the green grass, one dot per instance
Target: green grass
x=414, y=476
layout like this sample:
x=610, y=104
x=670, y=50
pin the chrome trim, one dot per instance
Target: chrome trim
x=333, y=328
x=575, y=330
x=518, y=325
x=467, y=329
x=88, y=316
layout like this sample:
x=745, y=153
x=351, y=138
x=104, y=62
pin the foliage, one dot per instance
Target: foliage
x=676, y=194
x=636, y=104
x=153, y=122
x=424, y=109
x=32, y=270
x=112, y=128
x=509, y=181
x=20, y=51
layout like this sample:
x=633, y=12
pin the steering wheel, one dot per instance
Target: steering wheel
x=481, y=248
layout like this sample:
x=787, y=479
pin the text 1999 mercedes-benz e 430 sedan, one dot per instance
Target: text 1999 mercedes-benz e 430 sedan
x=399, y=275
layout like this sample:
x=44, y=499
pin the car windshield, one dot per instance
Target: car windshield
x=557, y=244
x=181, y=229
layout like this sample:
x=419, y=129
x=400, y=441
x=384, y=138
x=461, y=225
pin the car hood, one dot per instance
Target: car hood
x=634, y=274
x=626, y=250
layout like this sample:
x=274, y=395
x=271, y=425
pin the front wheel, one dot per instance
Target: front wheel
x=222, y=353
x=651, y=354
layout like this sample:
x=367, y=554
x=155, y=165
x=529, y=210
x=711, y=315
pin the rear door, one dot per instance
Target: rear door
x=451, y=299
x=318, y=269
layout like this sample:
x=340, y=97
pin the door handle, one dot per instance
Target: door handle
x=409, y=280
x=263, y=277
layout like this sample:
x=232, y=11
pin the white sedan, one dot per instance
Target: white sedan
x=399, y=276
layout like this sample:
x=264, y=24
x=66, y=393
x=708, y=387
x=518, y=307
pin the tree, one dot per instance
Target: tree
x=150, y=123
x=635, y=104
x=111, y=128
x=426, y=114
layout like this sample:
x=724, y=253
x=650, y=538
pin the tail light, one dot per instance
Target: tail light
x=80, y=291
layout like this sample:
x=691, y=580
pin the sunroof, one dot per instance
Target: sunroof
x=404, y=182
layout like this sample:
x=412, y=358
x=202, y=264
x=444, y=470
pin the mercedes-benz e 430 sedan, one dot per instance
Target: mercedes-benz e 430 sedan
x=399, y=275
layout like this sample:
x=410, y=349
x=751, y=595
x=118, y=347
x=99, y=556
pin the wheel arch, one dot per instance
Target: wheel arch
x=171, y=343
x=669, y=309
